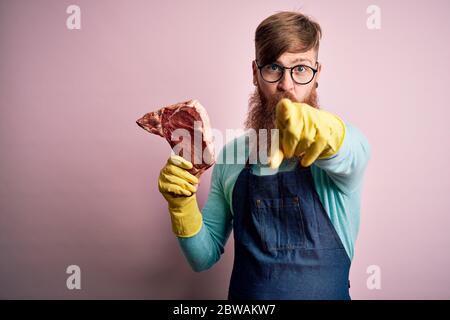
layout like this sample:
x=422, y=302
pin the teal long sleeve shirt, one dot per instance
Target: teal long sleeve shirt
x=338, y=182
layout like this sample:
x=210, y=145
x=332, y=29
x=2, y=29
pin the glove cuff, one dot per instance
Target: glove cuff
x=337, y=135
x=186, y=216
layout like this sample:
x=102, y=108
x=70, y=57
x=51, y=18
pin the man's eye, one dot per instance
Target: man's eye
x=273, y=67
x=300, y=69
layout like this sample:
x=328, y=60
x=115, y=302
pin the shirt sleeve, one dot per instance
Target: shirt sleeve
x=346, y=168
x=204, y=249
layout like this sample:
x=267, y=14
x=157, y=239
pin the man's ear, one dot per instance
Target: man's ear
x=255, y=73
x=319, y=68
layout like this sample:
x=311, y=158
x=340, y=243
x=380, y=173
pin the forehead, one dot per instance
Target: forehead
x=290, y=58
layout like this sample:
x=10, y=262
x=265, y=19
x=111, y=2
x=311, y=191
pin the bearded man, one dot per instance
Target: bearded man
x=295, y=218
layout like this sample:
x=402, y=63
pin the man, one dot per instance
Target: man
x=295, y=222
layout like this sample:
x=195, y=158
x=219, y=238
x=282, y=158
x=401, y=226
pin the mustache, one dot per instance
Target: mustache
x=268, y=105
x=261, y=115
x=273, y=101
x=261, y=111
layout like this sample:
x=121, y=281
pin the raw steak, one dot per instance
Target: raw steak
x=194, y=143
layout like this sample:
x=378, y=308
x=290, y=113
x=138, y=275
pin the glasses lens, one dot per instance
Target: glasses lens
x=271, y=72
x=302, y=74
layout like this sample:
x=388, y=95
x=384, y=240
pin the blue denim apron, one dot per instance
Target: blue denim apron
x=285, y=244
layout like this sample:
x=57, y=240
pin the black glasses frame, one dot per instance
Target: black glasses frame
x=287, y=68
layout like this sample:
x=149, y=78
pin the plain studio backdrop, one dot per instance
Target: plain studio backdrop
x=78, y=177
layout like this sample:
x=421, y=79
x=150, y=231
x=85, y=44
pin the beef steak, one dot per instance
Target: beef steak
x=186, y=127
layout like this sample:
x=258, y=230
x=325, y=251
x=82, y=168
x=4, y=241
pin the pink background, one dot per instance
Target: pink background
x=78, y=177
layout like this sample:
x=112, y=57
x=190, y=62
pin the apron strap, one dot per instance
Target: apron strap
x=247, y=163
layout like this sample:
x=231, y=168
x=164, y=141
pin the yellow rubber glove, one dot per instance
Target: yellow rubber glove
x=306, y=132
x=178, y=187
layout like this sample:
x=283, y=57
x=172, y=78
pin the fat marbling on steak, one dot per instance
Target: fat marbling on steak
x=194, y=143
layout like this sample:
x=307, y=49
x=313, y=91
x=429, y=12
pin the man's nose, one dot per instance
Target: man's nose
x=286, y=83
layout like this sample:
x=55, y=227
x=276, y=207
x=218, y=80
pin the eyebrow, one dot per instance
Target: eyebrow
x=296, y=60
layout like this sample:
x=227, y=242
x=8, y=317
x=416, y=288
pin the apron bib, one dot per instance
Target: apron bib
x=285, y=244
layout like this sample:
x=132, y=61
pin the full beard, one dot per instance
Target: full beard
x=261, y=117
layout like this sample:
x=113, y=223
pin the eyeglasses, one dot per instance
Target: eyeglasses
x=300, y=74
